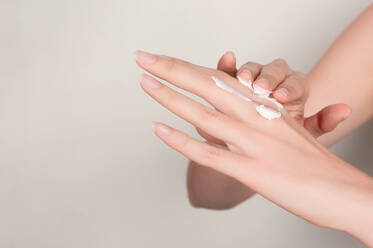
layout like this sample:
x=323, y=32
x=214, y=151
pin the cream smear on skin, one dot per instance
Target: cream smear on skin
x=260, y=92
x=228, y=88
x=264, y=111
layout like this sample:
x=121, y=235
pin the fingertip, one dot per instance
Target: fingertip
x=229, y=55
x=263, y=83
x=347, y=111
x=227, y=63
x=282, y=95
x=341, y=111
x=161, y=130
x=245, y=75
x=332, y=116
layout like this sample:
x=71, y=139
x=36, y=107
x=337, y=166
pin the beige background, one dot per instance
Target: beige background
x=79, y=165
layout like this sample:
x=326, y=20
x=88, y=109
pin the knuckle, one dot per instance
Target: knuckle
x=209, y=115
x=296, y=88
x=283, y=65
x=271, y=75
x=219, y=74
x=251, y=66
x=273, y=71
x=292, y=88
x=280, y=61
x=300, y=76
x=169, y=64
x=210, y=155
x=298, y=81
x=168, y=94
x=183, y=141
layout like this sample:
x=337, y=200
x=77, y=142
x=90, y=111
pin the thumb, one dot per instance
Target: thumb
x=327, y=119
x=227, y=63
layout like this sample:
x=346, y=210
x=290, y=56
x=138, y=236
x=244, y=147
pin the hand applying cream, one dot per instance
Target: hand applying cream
x=289, y=89
x=264, y=111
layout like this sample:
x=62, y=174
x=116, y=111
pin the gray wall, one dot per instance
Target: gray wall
x=79, y=165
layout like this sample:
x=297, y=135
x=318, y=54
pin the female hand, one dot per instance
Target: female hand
x=279, y=159
x=289, y=88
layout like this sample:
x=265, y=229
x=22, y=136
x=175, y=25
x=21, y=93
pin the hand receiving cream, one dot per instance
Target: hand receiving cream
x=264, y=111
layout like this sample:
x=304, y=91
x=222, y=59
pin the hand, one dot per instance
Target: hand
x=279, y=159
x=289, y=88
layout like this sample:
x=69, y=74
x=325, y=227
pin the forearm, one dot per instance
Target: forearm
x=345, y=75
x=362, y=228
x=364, y=234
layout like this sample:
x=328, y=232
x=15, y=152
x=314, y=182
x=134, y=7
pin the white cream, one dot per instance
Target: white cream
x=256, y=89
x=245, y=83
x=230, y=89
x=267, y=113
x=260, y=92
x=264, y=111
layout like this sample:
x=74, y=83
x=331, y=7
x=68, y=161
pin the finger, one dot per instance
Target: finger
x=185, y=76
x=293, y=88
x=209, y=137
x=272, y=74
x=227, y=63
x=224, y=161
x=211, y=121
x=176, y=71
x=249, y=71
x=327, y=119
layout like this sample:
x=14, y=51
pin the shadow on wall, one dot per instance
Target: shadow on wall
x=357, y=148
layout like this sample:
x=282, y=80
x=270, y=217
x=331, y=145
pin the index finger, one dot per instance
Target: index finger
x=198, y=80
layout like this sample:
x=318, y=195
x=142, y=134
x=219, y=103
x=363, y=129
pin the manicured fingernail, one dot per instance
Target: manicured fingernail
x=262, y=83
x=244, y=82
x=246, y=75
x=231, y=54
x=348, y=112
x=162, y=130
x=282, y=92
x=149, y=82
x=144, y=57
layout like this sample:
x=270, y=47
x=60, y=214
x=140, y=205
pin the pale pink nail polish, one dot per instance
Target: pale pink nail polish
x=262, y=83
x=283, y=92
x=144, y=57
x=149, y=82
x=162, y=130
x=246, y=75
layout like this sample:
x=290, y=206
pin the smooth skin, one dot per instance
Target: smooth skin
x=210, y=189
x=343, y=74
x=299, y=173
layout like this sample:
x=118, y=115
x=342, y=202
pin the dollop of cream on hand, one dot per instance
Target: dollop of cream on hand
x=230, y=89
x=267, y=112
x=264, y=111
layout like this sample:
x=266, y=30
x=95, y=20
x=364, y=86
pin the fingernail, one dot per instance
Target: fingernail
x=262, y=83
x=231, y=54
x=246, y=75
x=162, y=130
x=282, y=92
x=244, y=82
x=149, y=82
x=348, y=113
x=144, y=57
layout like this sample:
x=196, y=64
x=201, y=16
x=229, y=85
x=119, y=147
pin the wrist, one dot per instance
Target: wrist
x=361, y=227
